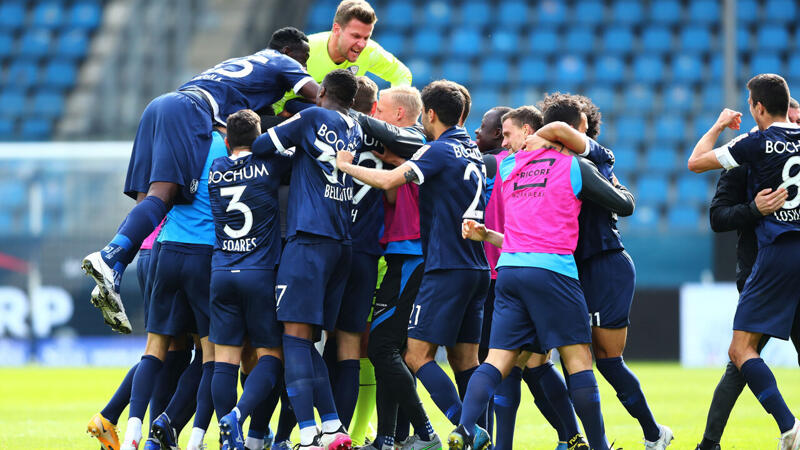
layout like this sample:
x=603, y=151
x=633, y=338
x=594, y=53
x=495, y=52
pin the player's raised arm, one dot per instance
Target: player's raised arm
x=402, y=141
x=279, y=139
x=563, y=133
x=703, y=158
x=594, y=186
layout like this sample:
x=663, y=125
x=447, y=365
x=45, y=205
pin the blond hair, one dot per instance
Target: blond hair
x=354, y=9
x=408, y=97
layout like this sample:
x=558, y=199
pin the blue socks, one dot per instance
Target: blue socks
x=323, y=395
x=142, y=385
x=764, y=387
x=630, y=394
x=480, y=390
x=380, y=441
x=184, y=401
x=299, y=376
x=586, y=398
x=120, y=398
x=462, y=380
x=259, y=385
x=223, y=387
x=441, y=390
x=506, y=403
x=286, y=418
x=205, y=405
x=140, y=222
x=551, y=397
x=174, y=365
x=346, y=389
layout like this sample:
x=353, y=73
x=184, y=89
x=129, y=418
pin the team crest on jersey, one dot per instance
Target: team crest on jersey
x=353, y=69
x=418, y=154
x=193, y=185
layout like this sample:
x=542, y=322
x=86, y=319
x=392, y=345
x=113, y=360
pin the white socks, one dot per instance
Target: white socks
x=254, y=443
x=307, y=435
x=331, y=426
x=133, y=432
x=196, y=439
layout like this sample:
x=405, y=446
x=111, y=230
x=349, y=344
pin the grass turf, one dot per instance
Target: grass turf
x=43, y=408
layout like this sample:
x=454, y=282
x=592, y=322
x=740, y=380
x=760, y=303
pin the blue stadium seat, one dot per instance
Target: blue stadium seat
x=625, y=159
x=648, y=68
x=392, y=41
x=48, y=14
x=532, y=70
x=678, y=98
x=484, y=100
x=12, y=103
x=702, y=123
x=696, y=39
x=580, y=41
x=631, y=129
x=60, y=74
x=645, y=218
x=780, y=11
x=704, y=11
x=427, y=42
x=794, y=66
x=6, y=129
x=12, y=15
x=544, y=41
x=765, y=63
x=667, y=12
x=495, y=70
x=692, y=189
x=609, y=69
x=772, y=37
x=14, y=193
x=652, y=189
x=627, y=12
x=36, y=129
x=87, y=14
x=713, y=97
x=47, y=104
x=456, y=70
x=687, y=69
x=589, y=12
x=618, y=40
x=465, y=42
x=35, y=43
x=659, y=159
x=744, y=40
x=514, y=13
x=670, y=129
x=550, y=12
x=22, y=73
x=638, y=98
x=656, y=39
x=396, y=15
x=505, y=42
x=6, y=44
x=571, y=69
x=421, y=70
x=73, y=44
x=320, y=17
x=437, y=13
x=604, y=97
x=683, y=217
x=746, y=11
x=476, y=13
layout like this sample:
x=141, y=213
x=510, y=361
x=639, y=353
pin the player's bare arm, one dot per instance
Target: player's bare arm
x=562, y=133
x=475, y=231
x=377, y=178
x=768, y=201
x=309, y=90
x=703, y=158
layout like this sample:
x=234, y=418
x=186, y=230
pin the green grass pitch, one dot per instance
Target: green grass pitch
x=42, y=408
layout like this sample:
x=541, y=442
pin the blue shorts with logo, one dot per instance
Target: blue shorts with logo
x=449, y=307
x=179, y=301
x=538, y=309
x=311, y=280
x=771, y=295
x=608, y=280
x=358, y=293
x=171, y=144
x=243, y=305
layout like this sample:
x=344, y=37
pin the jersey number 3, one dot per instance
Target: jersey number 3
x=235, y=192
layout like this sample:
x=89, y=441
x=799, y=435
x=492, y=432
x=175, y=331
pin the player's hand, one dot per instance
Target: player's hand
x=535, y=142
x=389, y=157
x=344, y=158
x=729, y=118
x=473, y=230
x=768, y=201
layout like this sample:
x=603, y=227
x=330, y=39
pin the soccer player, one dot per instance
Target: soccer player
x=316, y=260
x=448, y=309
x=794, y=111
x=539, y=300
x=606, y=271
x=172, y=143
x=769, y=301
x=244, y=202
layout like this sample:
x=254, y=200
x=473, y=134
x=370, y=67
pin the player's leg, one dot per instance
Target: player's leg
x=550, y=395
x=365, y=405
x=505, y=404
x=584, y=392
x=483, y=350
x=148, y=370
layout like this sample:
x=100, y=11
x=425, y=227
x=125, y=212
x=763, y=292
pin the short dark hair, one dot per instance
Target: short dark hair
x=341, y=85
x=467, y=101
x=244, y=126
x=525, y=115
x=500, y=112
x=445, y=99
x=594, y=117
x=771, y=91
x=559, y=107
x=287, y=37
x=354, y=9
x=366, y=95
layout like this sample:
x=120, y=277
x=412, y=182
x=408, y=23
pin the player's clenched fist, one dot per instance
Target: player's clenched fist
x=729, y=118
x=473, y=230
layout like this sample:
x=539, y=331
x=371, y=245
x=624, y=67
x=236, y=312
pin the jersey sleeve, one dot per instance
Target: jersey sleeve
x=294, y=75
x=596, y=153
x=426, y=162
x=742, y=149
x=386, y=66
x=280, y=139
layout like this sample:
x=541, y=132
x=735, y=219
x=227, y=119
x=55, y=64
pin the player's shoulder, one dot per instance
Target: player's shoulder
x=221, y=163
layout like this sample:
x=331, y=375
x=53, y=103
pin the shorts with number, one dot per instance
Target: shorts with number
x=311, y=280
x=608, y=280
x=537, y=309
x=179, y=301
x=449, y=307
x=358, y=293
x=243, y=305
x=771, y=295
x=171, y=145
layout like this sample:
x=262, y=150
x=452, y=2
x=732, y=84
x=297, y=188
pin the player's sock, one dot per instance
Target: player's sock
x=762, y=383
x=346, y=389
x=166, y=383
x=490, y=418
x=506, y=403
x=261, y=415
x=323, y=395
x=286, y=418
x=365, y=405
x=299, y=376
x=142, y=385
x=462, y=380
x=263, y=378
x=707, y=444
x=481, y=387
x=254, y=442
x=205, y=406
x=381, y=440
x=586, y=398
x=140, y=222
x=402, y=429
x=121, y=397
x=184, y=401
x=551, y=397
x=441, y=389
x=629, y=392
x=726, y=393
x=196, y=438
x=223, y=387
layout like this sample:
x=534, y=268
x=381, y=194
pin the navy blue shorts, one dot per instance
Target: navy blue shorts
x=771, y=294
x=608, y=281
x=488, y=312
x=358, y=293
x=537, y=309
x=449, y=307
x=171, y=145
x=243, y=304
x=179, y=301
x=311, y=280
x=142, y=272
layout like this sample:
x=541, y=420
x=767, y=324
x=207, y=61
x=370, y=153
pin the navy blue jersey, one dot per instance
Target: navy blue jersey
x=319, y=195
x=252, y=82
x=367, y=206
x=244, y=203
x=597, y=226
x=451, y=175
x=773, y=157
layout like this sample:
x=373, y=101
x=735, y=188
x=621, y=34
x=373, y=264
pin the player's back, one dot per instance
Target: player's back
x=244, y=203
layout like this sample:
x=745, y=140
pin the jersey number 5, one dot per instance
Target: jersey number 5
x=235, y=192
x=472, y=211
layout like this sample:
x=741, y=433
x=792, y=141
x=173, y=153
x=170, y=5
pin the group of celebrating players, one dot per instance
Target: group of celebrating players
x=265, y=217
